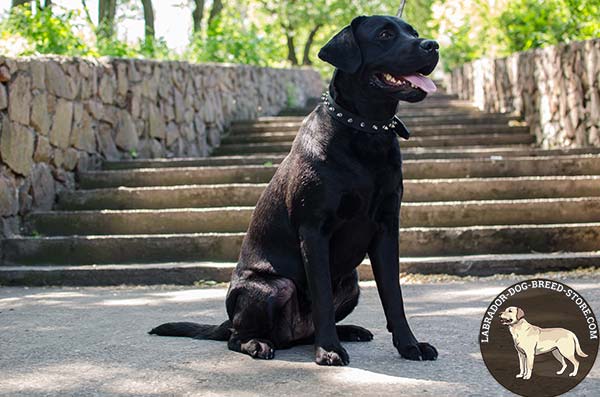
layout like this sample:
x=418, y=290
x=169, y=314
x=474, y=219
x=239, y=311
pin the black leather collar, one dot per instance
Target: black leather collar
x=394, y=125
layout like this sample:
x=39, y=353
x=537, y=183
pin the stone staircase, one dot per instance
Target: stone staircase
x=480, y=198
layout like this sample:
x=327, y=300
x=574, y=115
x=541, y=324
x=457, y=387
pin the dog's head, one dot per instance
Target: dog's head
x=511, y=315
x=386, y=55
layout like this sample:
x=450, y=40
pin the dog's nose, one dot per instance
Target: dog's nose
x=429, y=45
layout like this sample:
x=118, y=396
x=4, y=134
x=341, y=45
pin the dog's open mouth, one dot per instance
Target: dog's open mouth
x=505, y=321
x=415, y=81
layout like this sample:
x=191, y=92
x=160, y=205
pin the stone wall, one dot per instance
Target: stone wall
x=555, y=89
x=62, y=115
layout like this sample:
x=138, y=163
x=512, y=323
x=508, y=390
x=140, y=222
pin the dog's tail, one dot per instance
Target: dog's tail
x=578, y=348
x=192, y=330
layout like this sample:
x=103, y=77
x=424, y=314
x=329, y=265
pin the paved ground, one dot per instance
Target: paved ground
x=93, y=342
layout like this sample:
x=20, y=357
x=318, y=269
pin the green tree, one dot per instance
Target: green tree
x=49, y=33
x=527, y=24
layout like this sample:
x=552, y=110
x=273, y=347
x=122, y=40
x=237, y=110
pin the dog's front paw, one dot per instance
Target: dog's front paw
x=519, y=376
x=331, y=355
x=418, y=351
x=527, y=376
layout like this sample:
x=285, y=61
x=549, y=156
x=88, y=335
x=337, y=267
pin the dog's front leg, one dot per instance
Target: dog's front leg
x=315, y=255
x=529, y=359
x=384, y=256
x=521, y=364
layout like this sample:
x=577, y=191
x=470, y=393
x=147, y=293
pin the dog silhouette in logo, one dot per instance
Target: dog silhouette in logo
x=531, y=340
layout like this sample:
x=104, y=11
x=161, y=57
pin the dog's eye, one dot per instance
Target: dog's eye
x=385, y=35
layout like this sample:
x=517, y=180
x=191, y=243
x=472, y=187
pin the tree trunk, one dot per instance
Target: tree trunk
x=215, y=11
x=309, y=41
x=106, y=17
x=16, y=3
x=291, y=49
x=148, y=21
x=197, y=15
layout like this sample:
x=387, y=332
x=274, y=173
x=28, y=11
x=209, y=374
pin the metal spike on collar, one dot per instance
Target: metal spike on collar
x=393, y=125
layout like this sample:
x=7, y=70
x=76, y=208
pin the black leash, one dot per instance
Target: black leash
x=401, y=9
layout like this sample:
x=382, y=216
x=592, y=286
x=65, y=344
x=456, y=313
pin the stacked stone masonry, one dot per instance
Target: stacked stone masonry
x=61, y=115
x=556, y=90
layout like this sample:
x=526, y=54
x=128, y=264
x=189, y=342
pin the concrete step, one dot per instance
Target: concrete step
x=413, y=169
x=187, y=273
x=407, y=154
x=427, y=141
x=442, y=241
x=415, y=190
x=435, y=131
x=417, y=125
x=439, y=128
x=435, y=116
x=237, y=219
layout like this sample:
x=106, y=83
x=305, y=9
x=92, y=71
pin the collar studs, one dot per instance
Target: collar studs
x=345, y=117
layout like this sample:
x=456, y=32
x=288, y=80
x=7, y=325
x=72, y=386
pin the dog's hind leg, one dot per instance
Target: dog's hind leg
x=566, y=347
x=258, y=308
x=254, y=347
x=353, y=333
x=561, y=360
x=346, y=293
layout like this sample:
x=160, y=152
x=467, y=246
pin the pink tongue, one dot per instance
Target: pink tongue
x=422, y=82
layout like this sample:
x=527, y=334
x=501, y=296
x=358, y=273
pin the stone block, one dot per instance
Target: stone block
x=16, y=147
x=56, y=80
x=40, y=117
x=156, y=122
x=83, y=134
x=19, y=99
x=43, y=151
x=9, y=199
x=61, y=126
x=3, y=97
x=70, y=159
x=106, y=90
x=106, y=143
x=38, y=75
x=42, y=187
x=127, y=136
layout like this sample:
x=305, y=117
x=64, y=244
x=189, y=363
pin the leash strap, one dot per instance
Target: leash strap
x=394, y=125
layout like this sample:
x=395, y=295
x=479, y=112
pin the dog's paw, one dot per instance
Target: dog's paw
x=519, y=376
x=257, y=348
x=418, y=352
x=527, y=376
x=331, y=356
x=353, y=333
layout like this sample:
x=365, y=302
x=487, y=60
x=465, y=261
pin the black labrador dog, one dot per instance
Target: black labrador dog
x=334, y=199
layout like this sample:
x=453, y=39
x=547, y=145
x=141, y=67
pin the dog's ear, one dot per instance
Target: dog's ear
x=342, y=51
x=520, y=313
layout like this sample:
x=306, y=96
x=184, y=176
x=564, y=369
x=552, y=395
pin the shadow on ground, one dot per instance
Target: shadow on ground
x=93, y=341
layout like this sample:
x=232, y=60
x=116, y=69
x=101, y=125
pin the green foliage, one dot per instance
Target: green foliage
x=258, y=32
x=527, y=24
x=48, y=33
x=470, y=29
x=231, y=39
